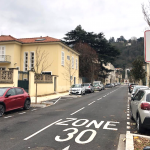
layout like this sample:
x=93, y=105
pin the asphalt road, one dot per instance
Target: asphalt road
x=91, y=122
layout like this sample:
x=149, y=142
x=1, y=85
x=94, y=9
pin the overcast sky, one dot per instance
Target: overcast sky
x=54, y=18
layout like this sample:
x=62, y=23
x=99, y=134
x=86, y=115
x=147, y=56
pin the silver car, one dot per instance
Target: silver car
x=88, y=87
x=77, y=89
x=140, y=109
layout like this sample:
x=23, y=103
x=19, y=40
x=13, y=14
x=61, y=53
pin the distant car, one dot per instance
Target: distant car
x=113, y=85
x=108, y=85
x=77, y=89
x=131, y=87
x=13, y=98
x=140, y=109
x=97, y=85
x=88, y=87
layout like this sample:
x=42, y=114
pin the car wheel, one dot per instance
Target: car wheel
x=139, y=125
x=27, y=104
x=2, y=110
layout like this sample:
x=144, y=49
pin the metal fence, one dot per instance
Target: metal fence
x=6, y=76
x=43, y=78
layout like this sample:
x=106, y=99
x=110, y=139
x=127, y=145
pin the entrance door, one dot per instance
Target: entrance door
x=55, y=80
x=2, y=53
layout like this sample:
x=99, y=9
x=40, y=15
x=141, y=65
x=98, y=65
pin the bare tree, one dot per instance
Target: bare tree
x=41, y=64
x=70, y=69
x=146, y=13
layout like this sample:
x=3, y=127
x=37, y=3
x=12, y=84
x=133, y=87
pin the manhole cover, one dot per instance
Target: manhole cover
x=42, y=148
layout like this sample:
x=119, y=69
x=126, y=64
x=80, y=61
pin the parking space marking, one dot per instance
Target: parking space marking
x=22, y=113
x=41, y=130
x=77, y=111
x=7, y=117
x=91, y=103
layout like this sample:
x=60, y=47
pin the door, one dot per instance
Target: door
x=55, y=80
x=20, y=97
x=11, y=100
x=2, y=53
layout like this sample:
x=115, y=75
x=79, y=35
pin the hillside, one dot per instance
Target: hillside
x=130, y=50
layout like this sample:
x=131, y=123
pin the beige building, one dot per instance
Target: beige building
x=54, y=58
x=112, y=76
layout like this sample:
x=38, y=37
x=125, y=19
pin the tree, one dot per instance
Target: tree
x=138, y=72
x=112, y=40
x=145, y=10
x=40, y=65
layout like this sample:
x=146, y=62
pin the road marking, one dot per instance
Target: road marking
x=128, y=127
x=128, y=115
x=91, y=103
x=128, y=132
x=7, y=117
x=57, y=100
x=67, y=148
x=22, y=113
x=77, y=111
x=127, y=111
x=128, y=123
x=41, y=130
x=99, y=98
x=128, y=118
x=33, y=109
x=104, y=96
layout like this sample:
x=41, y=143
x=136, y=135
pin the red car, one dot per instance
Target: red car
x=13, y=98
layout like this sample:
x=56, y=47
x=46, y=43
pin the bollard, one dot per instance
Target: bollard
x=147, y=148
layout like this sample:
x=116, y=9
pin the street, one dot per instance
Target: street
x=91, y=122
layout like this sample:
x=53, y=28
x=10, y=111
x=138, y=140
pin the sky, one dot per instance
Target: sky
x=54, y=18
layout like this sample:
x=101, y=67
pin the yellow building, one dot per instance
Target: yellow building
x=57, y=58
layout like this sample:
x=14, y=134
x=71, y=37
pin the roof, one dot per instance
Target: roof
x=7, y=38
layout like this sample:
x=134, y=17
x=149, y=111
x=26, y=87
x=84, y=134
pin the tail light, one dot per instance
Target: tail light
x=145, y=106
x=89, y=87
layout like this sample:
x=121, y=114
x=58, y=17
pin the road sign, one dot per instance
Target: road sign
x=147, y=45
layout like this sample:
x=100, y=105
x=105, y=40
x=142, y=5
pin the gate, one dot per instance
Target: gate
x=23, y=80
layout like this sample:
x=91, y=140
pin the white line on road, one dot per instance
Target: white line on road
x=22, y=113
x=77, y=111
x=7, y=117
x=33, y=109
x=91, y=103
x=104, y=96
x=128, y=123
x=57, y=100
x=128, y=127
x=128, y=115
x=99, y=98
x=128, y=118
x=41, y=130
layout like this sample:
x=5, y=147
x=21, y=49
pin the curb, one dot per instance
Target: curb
x=129, y=142
x=121, y=143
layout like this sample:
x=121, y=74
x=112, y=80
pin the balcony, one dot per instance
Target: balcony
x=5, y=59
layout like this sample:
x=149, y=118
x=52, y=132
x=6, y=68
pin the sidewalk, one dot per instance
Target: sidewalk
x=49, y=97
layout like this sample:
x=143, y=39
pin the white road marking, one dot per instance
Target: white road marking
x=41, y=130
x=99, y=98
x=33, y=109
x=91, y=103
x=104, y=96
x=77, y=111
x=22, y=113
x=128, y=132
x=128, y=123
x=7, y=117
x=57, y=100
x=128, y=127
x=127, y=111
x=67, y=148
x=128, y=115
x=128, y=118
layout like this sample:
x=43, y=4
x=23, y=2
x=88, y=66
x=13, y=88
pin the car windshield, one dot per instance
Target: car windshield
x=76, y=86
x=2, y=91
x=95, y=84
x=86, y=84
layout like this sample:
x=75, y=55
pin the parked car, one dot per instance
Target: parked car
x=112, y=84
x=88, y=87
x=108, y=85
x=135, y=88
x=131, y=87
x=97, y=85
x=77, y=89
x=140, y=109
x=103, y=86
x=13, y=98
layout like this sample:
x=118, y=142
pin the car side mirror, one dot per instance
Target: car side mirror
x=7, y=95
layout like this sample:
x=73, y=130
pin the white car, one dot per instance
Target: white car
x=77, y=89
x=140, y=109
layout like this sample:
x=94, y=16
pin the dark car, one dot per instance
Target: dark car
x=13, y=98
x=108, y=85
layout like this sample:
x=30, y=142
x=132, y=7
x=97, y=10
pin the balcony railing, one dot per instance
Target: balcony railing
x=5, y=58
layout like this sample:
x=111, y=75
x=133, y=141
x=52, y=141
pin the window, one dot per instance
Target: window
x=76, y=63
x=19, y=91
x=25, y=61
x=31, y=60
x=139, y=96
x=11, y=92
x=47, y=72
x=62, y=58
x=68, y=57
x=2, y=53
x=72, y=62
x=2, y=68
